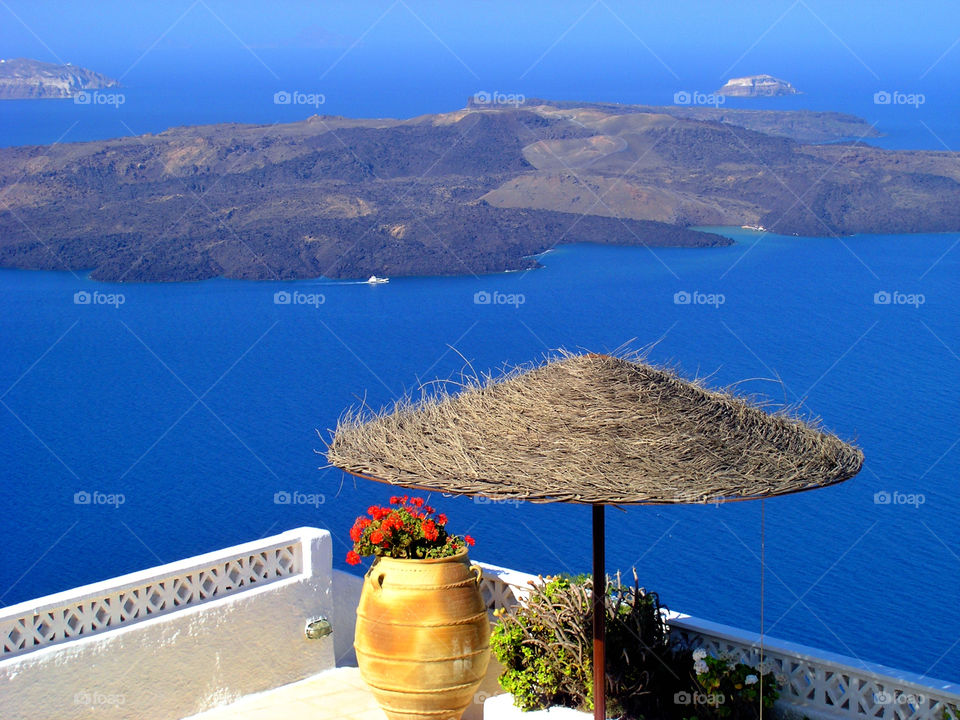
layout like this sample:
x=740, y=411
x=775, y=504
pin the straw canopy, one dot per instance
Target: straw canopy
x=592, y=429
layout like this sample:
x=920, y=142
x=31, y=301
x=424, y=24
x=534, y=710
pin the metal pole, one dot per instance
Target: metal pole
x=599, y=616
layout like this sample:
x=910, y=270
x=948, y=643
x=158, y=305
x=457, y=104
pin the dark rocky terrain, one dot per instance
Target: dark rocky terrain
x=22, y=79
x=472, y=191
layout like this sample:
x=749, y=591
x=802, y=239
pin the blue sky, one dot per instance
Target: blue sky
x=184, y=62
x=856, y=37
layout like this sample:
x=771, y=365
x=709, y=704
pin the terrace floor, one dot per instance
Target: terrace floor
x=339, y=694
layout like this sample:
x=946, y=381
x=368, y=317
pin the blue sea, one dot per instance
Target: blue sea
x=199, y=405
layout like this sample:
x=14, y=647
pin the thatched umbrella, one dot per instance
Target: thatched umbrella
x=592, y=429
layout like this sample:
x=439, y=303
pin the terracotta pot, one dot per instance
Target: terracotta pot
x=423, y=636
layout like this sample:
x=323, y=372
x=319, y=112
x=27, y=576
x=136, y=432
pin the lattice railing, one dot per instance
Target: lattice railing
x=109, y=607
x=833, y=684
x=502, y=587
x=815, y=683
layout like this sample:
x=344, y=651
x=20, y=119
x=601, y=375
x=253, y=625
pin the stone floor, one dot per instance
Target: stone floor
x=339, y=694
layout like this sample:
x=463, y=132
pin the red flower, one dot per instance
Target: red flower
x=407, y=527
x=469, y=540
x=356, y=532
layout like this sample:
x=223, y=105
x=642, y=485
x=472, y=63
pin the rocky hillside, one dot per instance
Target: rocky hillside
x=21, y=79
x=471, y=191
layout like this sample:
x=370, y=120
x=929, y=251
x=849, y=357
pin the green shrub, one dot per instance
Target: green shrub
x=546, y=648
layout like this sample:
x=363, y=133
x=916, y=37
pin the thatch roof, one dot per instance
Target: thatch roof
x=592, y=429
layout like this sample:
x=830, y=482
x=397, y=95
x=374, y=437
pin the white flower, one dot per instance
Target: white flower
x=700, y=667
x=699, y=654
x=750, y=680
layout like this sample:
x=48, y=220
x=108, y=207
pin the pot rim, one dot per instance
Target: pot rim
x=462, y=555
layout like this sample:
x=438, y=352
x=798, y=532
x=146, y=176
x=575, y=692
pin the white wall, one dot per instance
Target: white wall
x=185, y=661
x=346, y=594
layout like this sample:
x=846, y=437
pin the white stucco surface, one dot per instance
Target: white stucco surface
x=184, y=661
x=346, y=593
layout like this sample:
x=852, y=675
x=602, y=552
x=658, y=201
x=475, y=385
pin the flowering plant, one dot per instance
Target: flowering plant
x=735, y=685
x=408, y=529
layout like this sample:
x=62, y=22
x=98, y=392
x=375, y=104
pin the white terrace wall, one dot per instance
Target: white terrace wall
x=178, y=639
x=346, y=593
x=822, y=685
x=173, y=640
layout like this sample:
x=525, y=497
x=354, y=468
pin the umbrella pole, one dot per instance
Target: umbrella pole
x=599, y=616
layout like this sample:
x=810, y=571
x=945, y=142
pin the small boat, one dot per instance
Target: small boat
x=374, y=280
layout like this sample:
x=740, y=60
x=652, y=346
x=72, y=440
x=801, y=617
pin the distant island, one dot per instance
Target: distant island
x=477, y=190
x=757, y=86
x=24, y=79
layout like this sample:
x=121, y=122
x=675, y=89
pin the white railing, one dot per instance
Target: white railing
x=174, y=640
x=94, y=608
x=816, y=683
x=830, y=684
x=503, y=588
